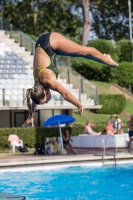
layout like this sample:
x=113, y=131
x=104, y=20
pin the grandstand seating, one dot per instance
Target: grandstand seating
x=16, y=76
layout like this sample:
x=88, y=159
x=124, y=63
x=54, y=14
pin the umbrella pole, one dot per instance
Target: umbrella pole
x=61, y=137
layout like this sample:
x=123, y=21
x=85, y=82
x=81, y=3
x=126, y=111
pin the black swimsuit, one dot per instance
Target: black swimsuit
x=44, y=43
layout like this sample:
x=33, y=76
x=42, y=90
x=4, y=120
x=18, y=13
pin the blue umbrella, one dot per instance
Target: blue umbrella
x=54, y=120
x=57, y=120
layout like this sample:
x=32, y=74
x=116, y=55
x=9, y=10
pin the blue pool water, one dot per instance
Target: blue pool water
x=72, y=183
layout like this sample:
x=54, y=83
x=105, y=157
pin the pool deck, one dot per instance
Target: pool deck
x=9, y=160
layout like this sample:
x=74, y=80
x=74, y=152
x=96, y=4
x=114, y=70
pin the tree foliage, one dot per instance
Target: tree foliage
x=37, y=16
x=125, y=47
x=111, y=104
x=120, y=51
x=91, y=70
x=110, y=19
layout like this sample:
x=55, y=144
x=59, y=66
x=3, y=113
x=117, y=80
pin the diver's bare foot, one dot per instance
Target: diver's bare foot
x=28, y=123
x=110, y=61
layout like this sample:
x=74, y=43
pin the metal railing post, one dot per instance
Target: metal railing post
x=32, y=48
x=10, y=30
x=61, y=99
x=20, y=39
x=1, y=23
x=81, y=79
x=3, y=97
x=130, y=25
x=68, y=74
x=68, y=70
x=23, y=95
x=97, y=96
x=79, y=95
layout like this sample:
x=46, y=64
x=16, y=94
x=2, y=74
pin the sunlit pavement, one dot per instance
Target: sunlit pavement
x=8, y=160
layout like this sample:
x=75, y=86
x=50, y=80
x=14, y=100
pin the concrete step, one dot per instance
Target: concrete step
x=25, y=54
x=11, y=41
x=13, y=46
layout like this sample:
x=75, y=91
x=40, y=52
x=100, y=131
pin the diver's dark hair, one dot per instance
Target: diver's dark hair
x=36, y=94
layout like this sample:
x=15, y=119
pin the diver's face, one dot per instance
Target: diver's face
x=47, y=97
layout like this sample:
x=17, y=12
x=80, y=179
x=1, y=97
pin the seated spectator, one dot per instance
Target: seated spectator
x=111, y=120
x=56, y=148
x=89, y=130
x=118, y=126
x=109, y=128
x=66, y=142
x=130, y=127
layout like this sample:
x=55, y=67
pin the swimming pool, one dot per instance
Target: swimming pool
x=71, y=183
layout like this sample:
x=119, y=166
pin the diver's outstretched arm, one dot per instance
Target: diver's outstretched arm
x=66, y=47
x=30, y=120
x=54, y=85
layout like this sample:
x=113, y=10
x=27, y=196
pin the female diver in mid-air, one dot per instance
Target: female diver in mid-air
x=45, y=71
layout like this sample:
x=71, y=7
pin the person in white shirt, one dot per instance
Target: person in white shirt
x=118, y=126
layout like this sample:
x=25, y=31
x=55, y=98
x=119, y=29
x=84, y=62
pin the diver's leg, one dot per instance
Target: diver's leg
x=70, y=48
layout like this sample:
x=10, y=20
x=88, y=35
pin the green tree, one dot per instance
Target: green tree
x=20, y=14
x=37, y=16
x=110, y=19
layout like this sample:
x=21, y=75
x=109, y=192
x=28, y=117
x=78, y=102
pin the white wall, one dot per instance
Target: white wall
x=91, y=141
x=44, y=114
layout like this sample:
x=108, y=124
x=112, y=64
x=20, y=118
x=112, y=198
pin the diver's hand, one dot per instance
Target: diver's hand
x=110, y=61
x=29, y=122
x=80, y=110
